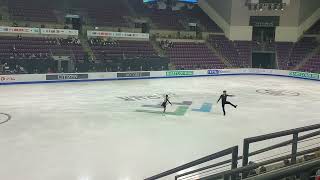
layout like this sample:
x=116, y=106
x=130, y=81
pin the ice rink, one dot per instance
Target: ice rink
x=114, y=130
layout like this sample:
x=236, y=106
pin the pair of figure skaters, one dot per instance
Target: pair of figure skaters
x=223, y=98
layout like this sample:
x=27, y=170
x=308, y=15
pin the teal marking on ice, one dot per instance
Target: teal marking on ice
x=184, y=103
x=206, y=107
x=180, y=111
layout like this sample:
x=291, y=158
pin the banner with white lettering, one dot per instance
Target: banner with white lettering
x=68, y=32
x=19, y=30
x=118, y=34
x=44, y=31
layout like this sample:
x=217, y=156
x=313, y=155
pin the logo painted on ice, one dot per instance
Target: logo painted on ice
x=181, y=107
x=141, y=98
x=180, y=110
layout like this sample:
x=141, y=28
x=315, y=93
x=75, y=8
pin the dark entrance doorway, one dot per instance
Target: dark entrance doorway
x=263, y=60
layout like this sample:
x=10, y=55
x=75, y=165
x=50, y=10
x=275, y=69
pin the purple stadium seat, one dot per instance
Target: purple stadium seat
x=191, y=55
x=238, y=53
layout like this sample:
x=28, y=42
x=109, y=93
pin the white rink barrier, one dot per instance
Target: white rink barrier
x=76, y=77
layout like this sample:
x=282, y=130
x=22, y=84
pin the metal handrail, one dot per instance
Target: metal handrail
x=288, y=171
x=294, y=141
x=257, y=165
x=233, y=173
x=285, y=143
x=232, y=150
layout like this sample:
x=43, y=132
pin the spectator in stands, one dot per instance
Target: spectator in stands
x=2, y=67
x=253, y=171
x=35, y=71
x=49, y=70
x=166, y=44
x=17, y=69
x=286, y=162
x=6, y=68
x=262, y=170
x=68, y=41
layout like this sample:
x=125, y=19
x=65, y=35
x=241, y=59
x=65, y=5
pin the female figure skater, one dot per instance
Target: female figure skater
x=165, y=102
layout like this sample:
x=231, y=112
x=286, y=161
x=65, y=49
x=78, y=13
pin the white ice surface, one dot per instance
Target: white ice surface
x=82, y=131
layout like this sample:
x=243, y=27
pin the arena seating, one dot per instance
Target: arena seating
x=182, y=55
x=104, y=50
x=244, y=49
x=31, y=11
x=108, y=13
x=315, y=29
x=290, y=55
x=137, y=5
x=237, y=53
x=101, y=13
x=283, y=50
x=301, y=49
x=37, y=51
x=198, y=14
x=313, y=65
x=167, y=19
x=193, y=55
x=164, y=19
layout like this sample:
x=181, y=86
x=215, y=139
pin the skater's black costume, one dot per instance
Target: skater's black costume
x=223, y=97
x=164, y=104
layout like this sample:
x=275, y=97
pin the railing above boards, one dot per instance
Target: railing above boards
x=310, y=132
x=233, y=151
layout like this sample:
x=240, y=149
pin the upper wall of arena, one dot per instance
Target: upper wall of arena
x=233, y=17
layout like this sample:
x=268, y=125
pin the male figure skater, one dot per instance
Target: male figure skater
x=224, y=101
x=165, y=102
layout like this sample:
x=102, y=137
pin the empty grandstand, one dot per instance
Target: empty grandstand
x=185, y=51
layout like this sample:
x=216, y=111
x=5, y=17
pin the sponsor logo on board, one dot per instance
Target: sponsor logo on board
x=179, y=73
x=7, y=78
x=305, y=75
x=133, y=74
x=66, y=76
x=214, y=72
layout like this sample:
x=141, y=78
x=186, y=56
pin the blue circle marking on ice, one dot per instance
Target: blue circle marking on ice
x=4, y=118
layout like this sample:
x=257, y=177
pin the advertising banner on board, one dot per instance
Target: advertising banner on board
x=18, y=78
x=305, y=75
x=133, y=74
x=7, y=78
x=179, y=73
x=213, y=72
x=66, y=76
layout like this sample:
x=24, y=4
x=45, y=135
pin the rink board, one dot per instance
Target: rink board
x=107, y=76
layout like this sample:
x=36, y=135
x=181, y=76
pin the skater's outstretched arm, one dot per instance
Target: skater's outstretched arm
x=219, y=99
x=230, y=95
x=169, y=102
